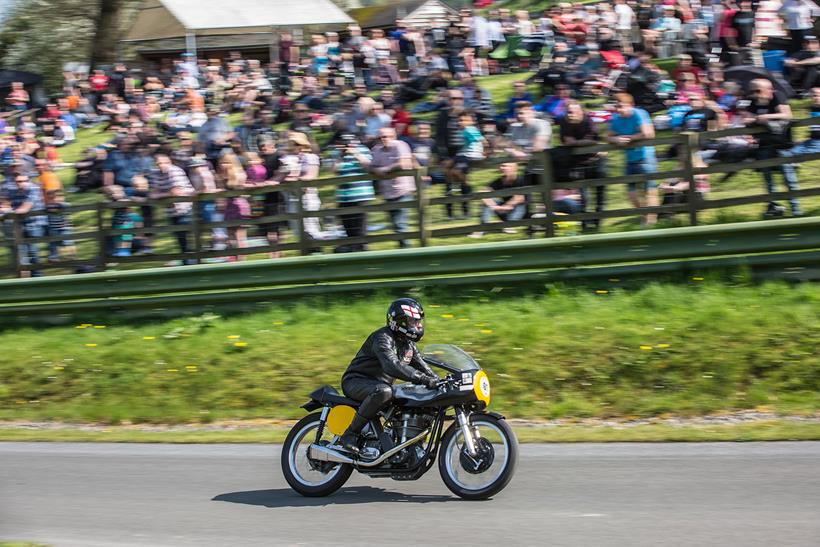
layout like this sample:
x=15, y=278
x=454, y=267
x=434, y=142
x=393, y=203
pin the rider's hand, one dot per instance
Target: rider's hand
x=430, y=381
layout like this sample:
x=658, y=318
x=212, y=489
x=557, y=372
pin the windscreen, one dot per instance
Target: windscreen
x=452, y=356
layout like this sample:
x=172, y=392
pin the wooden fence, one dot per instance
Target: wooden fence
x=688, y=145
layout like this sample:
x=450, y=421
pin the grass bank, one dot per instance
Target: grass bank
x=665, y=349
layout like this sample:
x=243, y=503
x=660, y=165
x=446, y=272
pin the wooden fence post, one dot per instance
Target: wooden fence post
x=546, y=192
x=300, y=221
x=17, y=242
x=421, y=205
x=101, y=250
x=196, y=229
x=689, y=150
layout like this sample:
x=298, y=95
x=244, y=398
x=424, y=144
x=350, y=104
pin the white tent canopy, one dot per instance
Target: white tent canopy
x=161, y=19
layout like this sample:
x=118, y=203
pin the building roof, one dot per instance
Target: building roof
x=386, y=15
x=159, y=19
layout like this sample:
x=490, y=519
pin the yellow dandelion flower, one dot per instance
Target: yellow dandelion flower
x=234, y=337
x=486, y=331
x=240, y=344
x=646, y=348
x=601, y=291
x=480, y=325
x=81, y=327
x=662, y=346
x=447, y=316
x=434, y=306
x=463, y=319
x=172, y=370
x=91, y=345
x=278, y=322
x=99, y=326
x=697, y=279
x=147, y=337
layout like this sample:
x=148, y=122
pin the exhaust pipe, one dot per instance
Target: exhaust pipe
x=327, y=454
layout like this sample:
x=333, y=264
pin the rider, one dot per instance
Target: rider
x=388, y=353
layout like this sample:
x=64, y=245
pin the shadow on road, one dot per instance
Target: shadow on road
x=285, y=497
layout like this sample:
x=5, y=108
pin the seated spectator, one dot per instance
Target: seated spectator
x=801, y=67
x=506, y=208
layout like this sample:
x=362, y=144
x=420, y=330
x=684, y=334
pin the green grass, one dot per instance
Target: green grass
x=773, y=430
x=664, y=349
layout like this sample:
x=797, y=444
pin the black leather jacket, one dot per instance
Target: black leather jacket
x=386, y=357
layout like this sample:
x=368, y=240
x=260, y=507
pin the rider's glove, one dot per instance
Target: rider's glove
x=429, y=381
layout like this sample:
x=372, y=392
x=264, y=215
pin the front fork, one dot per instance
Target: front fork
x=470, y=435
x=322, y=422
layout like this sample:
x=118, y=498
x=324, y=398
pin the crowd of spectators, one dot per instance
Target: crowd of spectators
x=364, y=105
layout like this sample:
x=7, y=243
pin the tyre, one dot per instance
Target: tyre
x=310, y=478
x=487, y=475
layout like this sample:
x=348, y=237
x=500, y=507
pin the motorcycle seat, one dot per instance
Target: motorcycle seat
x=328, y=394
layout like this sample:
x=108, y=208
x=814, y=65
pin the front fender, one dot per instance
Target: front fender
x=310, y=406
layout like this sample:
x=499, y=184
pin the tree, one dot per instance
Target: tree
x=108, y=25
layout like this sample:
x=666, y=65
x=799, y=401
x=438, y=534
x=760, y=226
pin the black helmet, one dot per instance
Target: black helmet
x=405, y=316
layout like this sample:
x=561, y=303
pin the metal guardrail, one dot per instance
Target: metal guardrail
x=794, y=241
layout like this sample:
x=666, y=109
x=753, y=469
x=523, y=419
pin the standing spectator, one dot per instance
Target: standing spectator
x=231, y=176
x=389, y=155
x=577, y=129
x=274, y=203
x=26, y=197
x=123, y=218
x=18, y=98
x=627, y=125
x=301, y=164
x=167, y=181
x=798, y=16
x=353, y=160
x=204, y=182
x=99, y=85
x=768, y=109
x=625, y=20
x=58, y=225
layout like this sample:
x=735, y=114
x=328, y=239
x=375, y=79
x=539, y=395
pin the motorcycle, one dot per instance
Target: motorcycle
x=477, y=453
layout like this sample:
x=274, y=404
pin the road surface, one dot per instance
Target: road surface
x=726, y=494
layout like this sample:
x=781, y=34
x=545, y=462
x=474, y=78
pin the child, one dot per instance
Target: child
x=58, y=224
x=471, y=152
x=124, y=218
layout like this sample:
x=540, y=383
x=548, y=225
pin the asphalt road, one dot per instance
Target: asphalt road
x=765, y=494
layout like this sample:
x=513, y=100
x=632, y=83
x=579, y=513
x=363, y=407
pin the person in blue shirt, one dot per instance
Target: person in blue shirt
x=26, y=197
x=627, y=125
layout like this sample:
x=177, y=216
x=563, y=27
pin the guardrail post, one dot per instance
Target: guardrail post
x=421, y=205
x=689, y=148
x=101, y=247
x=546, y=192
x=17, y=242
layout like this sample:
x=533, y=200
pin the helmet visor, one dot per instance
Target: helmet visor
x=417, y=324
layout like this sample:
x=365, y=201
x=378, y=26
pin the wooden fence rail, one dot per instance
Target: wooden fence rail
x=688, y=144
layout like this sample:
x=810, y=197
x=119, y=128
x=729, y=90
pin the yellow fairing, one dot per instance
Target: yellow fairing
x=481, y=386
x=339, y=418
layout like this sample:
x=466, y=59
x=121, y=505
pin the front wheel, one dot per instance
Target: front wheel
x=486, y=475
x=309, y=477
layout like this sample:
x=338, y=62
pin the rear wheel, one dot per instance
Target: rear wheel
x=483, y=476
x=310, y=477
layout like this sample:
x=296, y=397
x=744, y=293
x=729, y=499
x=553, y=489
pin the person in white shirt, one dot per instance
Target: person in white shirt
x=625, y=19
x=798, y=16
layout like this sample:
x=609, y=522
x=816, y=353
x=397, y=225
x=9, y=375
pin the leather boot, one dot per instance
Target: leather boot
x=350, y=439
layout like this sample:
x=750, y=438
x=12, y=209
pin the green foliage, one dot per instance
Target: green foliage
x=564, y=353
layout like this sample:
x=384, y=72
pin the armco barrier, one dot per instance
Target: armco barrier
x=332, y=273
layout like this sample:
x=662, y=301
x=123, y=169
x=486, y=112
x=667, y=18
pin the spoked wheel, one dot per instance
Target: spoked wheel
x=486, y=474
x=310, y=477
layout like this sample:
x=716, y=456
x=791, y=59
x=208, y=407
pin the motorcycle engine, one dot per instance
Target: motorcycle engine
x=405, y=427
